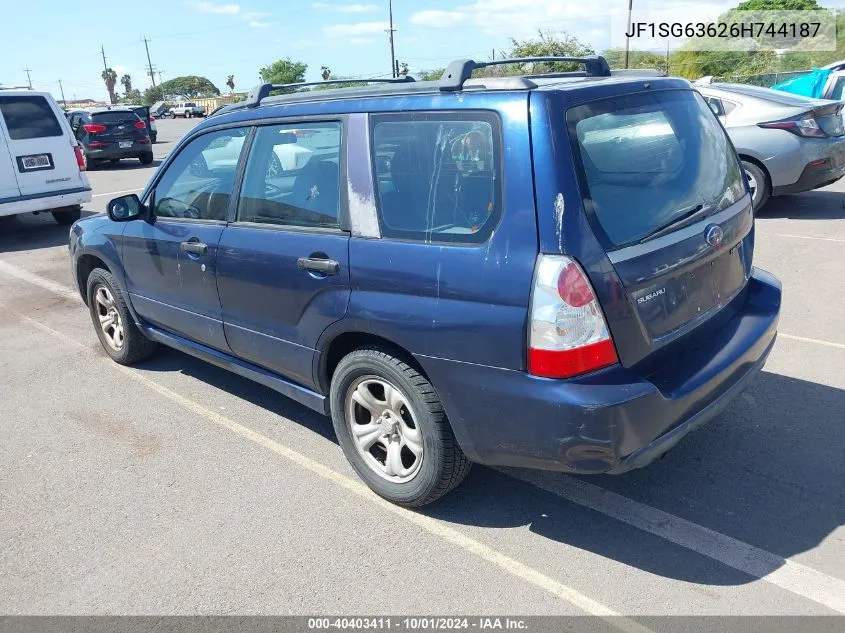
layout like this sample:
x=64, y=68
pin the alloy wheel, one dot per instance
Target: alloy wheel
x=110, y=322
x=384, y=429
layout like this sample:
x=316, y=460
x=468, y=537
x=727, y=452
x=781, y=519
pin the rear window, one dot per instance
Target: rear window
x=190, y=105
x=114, y=118
x=648, y=158
x=438, y=175
x=29, y=117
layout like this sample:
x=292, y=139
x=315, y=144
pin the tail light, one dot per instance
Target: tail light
x=80, y=159
x=806, y=125
x=144, y=140
x=94, y=128
x=567, y=334
x=98, y=144
x=140, y=125
x=152, y=119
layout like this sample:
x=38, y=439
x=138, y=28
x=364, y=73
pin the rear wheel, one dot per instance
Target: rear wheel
x=90, y=164
x=146, y=159
x=66, y=217
x=115, y=327
x=187, y=114
x=759, y=183
x=393, y=430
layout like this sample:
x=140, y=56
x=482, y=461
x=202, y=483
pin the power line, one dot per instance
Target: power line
x=151, y=73
x=28, y=78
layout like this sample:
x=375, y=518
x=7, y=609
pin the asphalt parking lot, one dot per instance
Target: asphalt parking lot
x=178, y=488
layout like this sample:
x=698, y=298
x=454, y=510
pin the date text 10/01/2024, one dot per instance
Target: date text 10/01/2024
x=416, y=623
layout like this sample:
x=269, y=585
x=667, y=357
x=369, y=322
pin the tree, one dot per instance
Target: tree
x=230, y=81
x=284, y=71
x=551, y=44
x=325, y=73
x=126, y=82
x=430, y=75
x=151, y=95
x=778, y=5
x=110, y=77
x=189, y=87
x=637, y=59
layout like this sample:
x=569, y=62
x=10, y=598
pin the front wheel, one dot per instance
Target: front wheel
x=115, y=327
x=393, y=429
x=759, y=183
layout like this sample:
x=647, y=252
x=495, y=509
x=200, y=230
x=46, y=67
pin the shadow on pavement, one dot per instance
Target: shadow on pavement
x=768, y=472
x=28, y=232
x=812, y=205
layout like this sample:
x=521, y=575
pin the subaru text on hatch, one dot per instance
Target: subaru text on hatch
x=547, y=271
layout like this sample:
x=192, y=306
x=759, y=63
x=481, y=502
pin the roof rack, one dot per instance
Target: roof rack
x=460, y=70
x=262, y=91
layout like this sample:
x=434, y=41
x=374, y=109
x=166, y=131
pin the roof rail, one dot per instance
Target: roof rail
x=262, y=91
x=460, y=70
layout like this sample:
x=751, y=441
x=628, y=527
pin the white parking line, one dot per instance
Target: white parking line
x=430, y=525
x=786, y=574
x=815, y=341
x=117, y=193
x=805, y=237
x=791, y=576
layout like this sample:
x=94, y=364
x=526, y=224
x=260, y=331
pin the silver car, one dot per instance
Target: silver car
x=787, y=143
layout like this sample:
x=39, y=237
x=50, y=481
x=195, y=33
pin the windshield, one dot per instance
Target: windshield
x=647, y=159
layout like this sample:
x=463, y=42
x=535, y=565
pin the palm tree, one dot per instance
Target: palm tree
x=231, y=83
x=110, y=77
x=126, y=82
x=325, y=73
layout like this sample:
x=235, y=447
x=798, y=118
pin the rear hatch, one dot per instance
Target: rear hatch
x=39, y=152
x=117, y=127
x=665, y=198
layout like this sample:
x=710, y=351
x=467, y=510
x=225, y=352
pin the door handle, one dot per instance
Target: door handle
x=195, y=248
x=318, y=265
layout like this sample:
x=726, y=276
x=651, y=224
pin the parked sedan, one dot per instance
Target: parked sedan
x=787, y=143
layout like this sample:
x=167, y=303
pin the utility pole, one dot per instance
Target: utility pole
x=160, y=73
x=64, y=103
x=390, y=31
x=28, y=78
x=627, y=37
x=149, y=63
x=103, y=51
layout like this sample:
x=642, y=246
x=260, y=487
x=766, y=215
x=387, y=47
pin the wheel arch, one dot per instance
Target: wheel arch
x=85, y=265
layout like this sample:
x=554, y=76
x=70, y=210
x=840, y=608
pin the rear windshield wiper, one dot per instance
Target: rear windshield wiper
x=684, y=216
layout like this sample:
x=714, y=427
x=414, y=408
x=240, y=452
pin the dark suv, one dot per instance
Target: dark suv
x=111, y=134
x=547, y=271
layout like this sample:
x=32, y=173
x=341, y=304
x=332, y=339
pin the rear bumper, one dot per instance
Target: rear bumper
x=109, y=153
x=45, y=202
x=613, y=420
x=811, y=178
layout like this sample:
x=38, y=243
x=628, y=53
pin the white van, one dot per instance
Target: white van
x=41, y=166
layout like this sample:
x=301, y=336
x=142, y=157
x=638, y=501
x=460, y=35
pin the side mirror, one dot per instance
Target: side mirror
x=714, y=108
x=382, y=165
x=125, y=208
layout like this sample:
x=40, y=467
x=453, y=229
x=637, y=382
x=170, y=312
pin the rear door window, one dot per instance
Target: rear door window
x=438, y=175
x=649, y=159
x=115, y=118
x=29, y=117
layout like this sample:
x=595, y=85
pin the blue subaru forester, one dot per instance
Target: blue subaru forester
x=546, y=271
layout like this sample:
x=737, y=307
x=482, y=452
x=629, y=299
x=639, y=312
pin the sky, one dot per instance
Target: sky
x=60, y=40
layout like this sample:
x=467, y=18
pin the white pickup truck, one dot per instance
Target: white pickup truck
x=186, y=109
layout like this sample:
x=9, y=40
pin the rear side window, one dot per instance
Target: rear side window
x=29, y=117
x=649, y=158
x=114, y=118
x=438, y=176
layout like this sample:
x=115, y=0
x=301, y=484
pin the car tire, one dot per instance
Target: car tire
x=187, y=114
x=146, y=159
x=122, y=340
x=760, y=183
x=410, y=456
x=67, y=217
x=90, y=164
x=114, y=161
